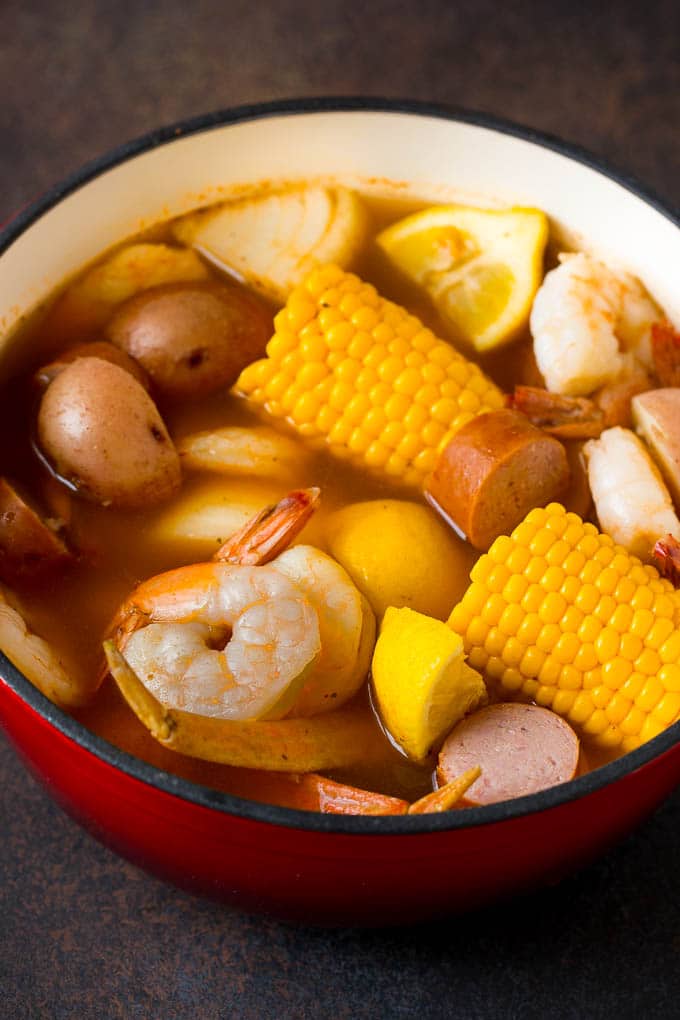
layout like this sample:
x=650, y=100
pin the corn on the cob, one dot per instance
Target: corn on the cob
x=360, y=373
x=560, y=614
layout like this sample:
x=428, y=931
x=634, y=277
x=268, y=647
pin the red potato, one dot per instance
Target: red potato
x=96, y=349
x=520, y=749
x=193, y=338
x=28, y=547
x=494, y=470
x=103, y=435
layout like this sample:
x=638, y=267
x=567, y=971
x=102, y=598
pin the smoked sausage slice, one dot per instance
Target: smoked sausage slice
x=494, y=470
x=521, y=749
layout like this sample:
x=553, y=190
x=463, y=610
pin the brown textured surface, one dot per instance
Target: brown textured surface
x=83, y=934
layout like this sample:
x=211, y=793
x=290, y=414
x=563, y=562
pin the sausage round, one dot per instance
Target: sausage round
x=494, y=470
x=521, y=749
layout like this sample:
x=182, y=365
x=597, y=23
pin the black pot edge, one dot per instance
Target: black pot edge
x=268, y=813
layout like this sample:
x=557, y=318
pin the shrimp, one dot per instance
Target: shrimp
x=241, y=638
x=590, y=325
x=233, y=642
x=632, y=502
x=347, y=626
x=37, y=659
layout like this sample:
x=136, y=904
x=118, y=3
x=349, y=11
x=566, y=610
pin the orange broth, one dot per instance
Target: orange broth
x=73, y=610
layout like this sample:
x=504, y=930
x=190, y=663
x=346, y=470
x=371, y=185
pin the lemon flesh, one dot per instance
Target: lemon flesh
x=399, y=554
x=480, y=267
x=422, y=684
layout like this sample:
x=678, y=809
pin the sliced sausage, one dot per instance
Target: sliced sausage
x=494, y=470
x=28, y=546
x=520, y=749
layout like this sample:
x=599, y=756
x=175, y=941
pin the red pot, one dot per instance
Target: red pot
x=302, y=865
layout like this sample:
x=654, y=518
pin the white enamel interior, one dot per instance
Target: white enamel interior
x=424, y=156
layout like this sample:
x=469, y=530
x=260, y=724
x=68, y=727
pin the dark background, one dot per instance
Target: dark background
x=83, y=934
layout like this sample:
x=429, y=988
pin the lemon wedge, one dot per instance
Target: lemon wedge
x=422, y=684
x=480, y=267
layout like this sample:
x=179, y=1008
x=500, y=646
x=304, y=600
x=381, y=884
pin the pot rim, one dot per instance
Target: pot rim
x=224, y=803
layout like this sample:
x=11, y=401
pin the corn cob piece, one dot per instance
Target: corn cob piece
x=359, y=373
x=559, y=614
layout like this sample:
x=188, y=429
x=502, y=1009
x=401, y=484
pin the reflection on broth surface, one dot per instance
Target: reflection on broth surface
x=330, y=346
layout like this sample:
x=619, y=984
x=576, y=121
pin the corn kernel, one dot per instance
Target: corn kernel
x=427, y=395
x=535, y=569
x=515, y=588
x=615, y=672
x=630, y=647
x=552, y=608
x=395, y=465
x=495, y=667
x=512, y=680
x=632, y=723
x=668, y=709
x=432, y=433
x=518, y=559
x=566, y=648
x=582, y=708
x=605, y=608
x=669, y=675
x=358, y=441
x=563, y=701
x=495, y=641
x=607, y=644
x=650, y=695
x=408, y=382
x=530, y=627
x=570, y=678
x=633, y=685
x=425, y=461
x=597, y=723
x=393, y=433
x=572, y=618
x=586, y=657
x=511, y=621
x=642, y=623
x=376, y=454
x=493, y=610
x=648, y=662
x=532, y=662
x=533, y=598
x=652, y=727
x=549, y=636
x=617, y=708
x=375, y=358
x=670, y=649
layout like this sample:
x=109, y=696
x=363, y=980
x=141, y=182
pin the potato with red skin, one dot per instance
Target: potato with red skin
x=520, y=749
x=494, y=470
x=29, y=548
x=193, y=338
x=95, y=349
x=102, y=433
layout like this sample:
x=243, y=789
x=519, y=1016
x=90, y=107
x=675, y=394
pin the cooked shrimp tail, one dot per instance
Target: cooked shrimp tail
x=564, y=417
x=447, y=796
x=334, y=740
x=270, y=531
x=666, y=557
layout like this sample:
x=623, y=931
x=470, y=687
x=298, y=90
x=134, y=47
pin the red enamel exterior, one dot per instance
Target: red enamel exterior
x=323, y=877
